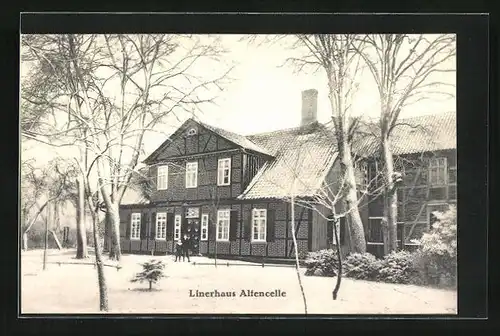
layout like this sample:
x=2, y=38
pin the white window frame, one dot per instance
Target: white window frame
x=192, y=174
x=177, y=227
x=438, y=165
x=162, y=172
x=223, y=222
x=223, y=166
x=204, y=227
x=135, y=226
x=261, y=221
x=161, y=226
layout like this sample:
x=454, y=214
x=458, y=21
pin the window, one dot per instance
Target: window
x=259, y=218
x=437, y=171
x=222, y=233
x=204, y=227
x=177, y=227
x=135, y=226
x=224, y=172
x=192, y=213
x=191, y=174
x=192, y=131
x=162, y=180
x=161, y=225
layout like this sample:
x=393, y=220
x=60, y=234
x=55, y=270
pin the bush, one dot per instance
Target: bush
x=322, y=263
x=436, y=259
x=362, y=266
x=398, y=267
x=152, y=272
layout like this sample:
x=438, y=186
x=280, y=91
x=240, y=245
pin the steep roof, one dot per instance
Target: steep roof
x=309, y=152
x=310, y=157
x=237, y=139
x=132, y=196
x=424, y=133
x=304, y=154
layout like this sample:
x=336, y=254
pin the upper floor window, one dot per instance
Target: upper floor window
x=191, y=174
x=224, y=172
x=259, y=223
x=162, y=178
x=135, y=226
x=223, y=222
x=161, y=225
x=437, y=171
x=191, y=131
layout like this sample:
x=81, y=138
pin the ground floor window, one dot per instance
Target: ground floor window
x=204, y=227
x=135, y=226
x=161, y=225
x=223, y=222
x=259, y=221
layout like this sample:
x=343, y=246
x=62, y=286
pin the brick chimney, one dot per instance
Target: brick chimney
x=309, y=106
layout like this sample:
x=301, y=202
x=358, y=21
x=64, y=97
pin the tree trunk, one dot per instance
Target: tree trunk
x=25, y=241
x=339, y=264
x=81, y=232
x=390, y=200
x=151, y=285
x=113, y=215
x=103, y=290
x=351, y=200
x=297, y=269
x=46, y=246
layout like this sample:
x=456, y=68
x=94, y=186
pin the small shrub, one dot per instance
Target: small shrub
x=436, y=260
x=398, y=267
x=152, y=272
x=362, y=266
x=323, y=262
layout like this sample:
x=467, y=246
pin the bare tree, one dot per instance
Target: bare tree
x=335, y=55
x=329, y=200
x=41, y=187
x=132, y=84
x=406, y=69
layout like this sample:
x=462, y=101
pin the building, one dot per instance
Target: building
x=232, y=192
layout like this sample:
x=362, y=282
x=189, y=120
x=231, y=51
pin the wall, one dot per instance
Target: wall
x=280, y=244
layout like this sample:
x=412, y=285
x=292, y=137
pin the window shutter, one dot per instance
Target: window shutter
x=342, y=230
x=152, y=228
x=270, y=225
x=170, y=226
x=247, y=227
x=329, y=230
x=144, y=225
x=128, y=225
x=233, y=224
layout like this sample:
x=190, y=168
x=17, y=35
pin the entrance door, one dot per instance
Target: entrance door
x=193, y=231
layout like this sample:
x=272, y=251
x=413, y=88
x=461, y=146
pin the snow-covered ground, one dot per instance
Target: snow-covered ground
x=73, y=289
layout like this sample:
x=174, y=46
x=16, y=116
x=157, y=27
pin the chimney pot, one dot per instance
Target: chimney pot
x=309, y=106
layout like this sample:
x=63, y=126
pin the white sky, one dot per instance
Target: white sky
x=265, y=97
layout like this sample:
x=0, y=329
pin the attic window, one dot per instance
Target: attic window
x=192, y=131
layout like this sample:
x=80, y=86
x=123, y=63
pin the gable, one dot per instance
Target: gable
x=191, y=138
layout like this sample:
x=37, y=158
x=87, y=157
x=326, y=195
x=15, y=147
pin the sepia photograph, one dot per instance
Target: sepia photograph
x=238, y=174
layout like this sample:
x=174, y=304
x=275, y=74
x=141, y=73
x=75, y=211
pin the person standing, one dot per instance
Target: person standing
x=178, y=250
x=185, y=247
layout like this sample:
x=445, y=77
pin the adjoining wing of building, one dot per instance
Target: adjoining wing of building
x=232, y=192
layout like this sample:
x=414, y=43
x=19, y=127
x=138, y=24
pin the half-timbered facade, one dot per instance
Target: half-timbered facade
x=231, y=193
